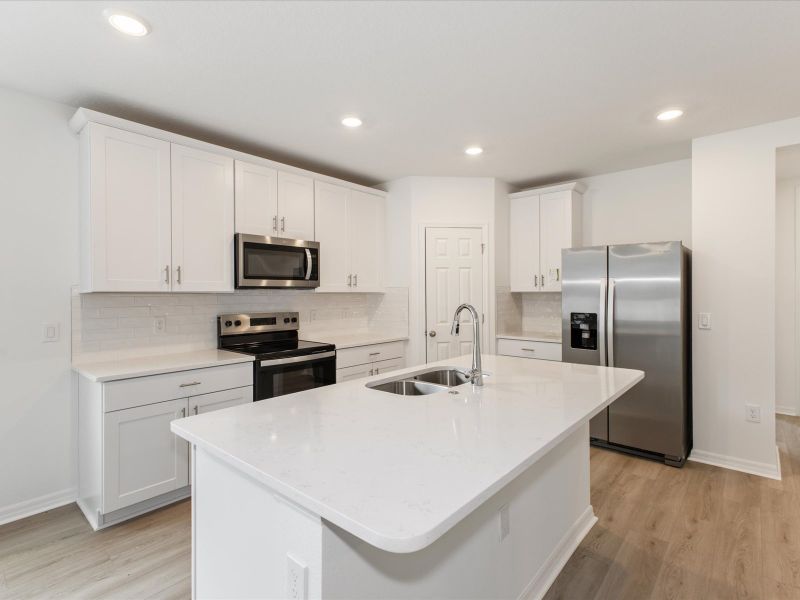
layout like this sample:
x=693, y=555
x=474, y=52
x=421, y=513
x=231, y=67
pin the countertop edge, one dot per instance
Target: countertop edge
x=420, y=540
x=529, y=338
x=85, y=370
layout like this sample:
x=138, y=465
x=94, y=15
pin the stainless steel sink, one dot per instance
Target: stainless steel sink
x=446, y=377
x=429, y=381
x=408, y=388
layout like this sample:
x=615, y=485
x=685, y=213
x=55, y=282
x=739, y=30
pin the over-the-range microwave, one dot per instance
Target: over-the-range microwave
x=273, y=262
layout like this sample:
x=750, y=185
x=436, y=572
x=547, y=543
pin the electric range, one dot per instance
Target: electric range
x=283, y=364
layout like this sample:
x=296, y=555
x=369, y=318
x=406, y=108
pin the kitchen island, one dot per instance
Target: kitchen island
x=350, y=492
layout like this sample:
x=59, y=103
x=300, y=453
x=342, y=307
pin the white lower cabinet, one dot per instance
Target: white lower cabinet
x=142, y=458
x=373, y=359
x=129, y=460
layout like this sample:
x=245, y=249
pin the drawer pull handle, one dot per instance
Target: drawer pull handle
x=529, y=349
x=190, y=384
x=374, y=353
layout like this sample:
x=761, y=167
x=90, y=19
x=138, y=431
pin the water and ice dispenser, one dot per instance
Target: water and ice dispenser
x=583, y=331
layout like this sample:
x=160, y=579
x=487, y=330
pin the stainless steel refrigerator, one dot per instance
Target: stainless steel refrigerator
x=629, y=306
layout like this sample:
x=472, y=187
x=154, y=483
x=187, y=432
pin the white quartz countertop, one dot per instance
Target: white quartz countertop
x=126, y=368
x=399, y=471
x=351, y=340
x=531, y=336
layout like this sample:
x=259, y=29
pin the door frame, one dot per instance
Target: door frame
x=487, y=327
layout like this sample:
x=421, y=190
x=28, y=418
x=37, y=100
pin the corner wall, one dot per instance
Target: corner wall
x=734, y=261
x=39, y=263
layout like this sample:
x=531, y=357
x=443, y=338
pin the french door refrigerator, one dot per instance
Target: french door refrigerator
x=629, y=306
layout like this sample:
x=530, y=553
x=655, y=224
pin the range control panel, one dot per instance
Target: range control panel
x=257, y=322
x=583, y=331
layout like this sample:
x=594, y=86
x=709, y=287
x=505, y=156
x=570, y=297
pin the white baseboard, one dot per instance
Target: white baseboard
x=789, y=411
x=34, y=506
x=547, y=574
x=771, y=471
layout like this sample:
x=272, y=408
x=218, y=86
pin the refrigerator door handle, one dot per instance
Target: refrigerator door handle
x=610, y=322
x=602, y=323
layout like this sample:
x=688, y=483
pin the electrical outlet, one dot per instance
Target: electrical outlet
x=159, y=325
x=296, y=579
x=753, y=413
x=505, y=526
x=51, y=332
x=704, y=320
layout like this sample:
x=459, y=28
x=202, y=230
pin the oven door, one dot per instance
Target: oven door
x=294, y=374
x=270, y=262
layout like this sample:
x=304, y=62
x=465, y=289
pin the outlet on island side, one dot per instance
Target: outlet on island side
x=752, y=413
x=296, y=579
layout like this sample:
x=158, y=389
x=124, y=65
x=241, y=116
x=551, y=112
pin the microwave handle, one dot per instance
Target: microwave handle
x=309, y=263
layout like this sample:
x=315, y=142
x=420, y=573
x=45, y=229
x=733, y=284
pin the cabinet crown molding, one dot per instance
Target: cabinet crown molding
x=571, y=186
x=84, y=116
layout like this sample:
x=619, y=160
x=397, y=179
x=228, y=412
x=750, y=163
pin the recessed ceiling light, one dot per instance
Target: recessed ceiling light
x=668, y=115
x=127, y=23
x=474, y=150
x=351, y=122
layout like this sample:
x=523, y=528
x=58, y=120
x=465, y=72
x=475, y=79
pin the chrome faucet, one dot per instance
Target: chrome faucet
x=475, y=373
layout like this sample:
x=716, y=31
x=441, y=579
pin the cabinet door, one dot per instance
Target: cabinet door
x=387, y=366
x=202, y=221
x=365, y=215
x=205, y=403
x=142, y=458
x=126, y=229
x=555, y=210
x=524, y=244
x=357, y=372
x=256, y=199
x=295, y=206
x=331, y=205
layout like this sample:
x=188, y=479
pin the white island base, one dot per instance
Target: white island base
x=247, y=539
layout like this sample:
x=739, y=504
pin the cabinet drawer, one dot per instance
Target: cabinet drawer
x=528, y=349
x=355, y=372
x=385, y=366
x=140, y=391
x=360, y=355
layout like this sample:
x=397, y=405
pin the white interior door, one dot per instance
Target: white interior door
x=453, y=276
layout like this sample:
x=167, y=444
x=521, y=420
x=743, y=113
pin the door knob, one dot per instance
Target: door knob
x=432, y=333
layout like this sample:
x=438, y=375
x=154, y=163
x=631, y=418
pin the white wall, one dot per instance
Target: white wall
x=734, y=262
x=38, y=254
x=786, y=396
x=651, y=204
x=414, y=202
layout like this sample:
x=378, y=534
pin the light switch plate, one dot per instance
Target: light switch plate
x=704, y=320
x=51, y=332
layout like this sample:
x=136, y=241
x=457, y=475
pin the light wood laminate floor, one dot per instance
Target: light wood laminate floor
x=697, y=532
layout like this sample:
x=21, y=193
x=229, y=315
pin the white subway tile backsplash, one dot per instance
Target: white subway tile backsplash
x=113, y=325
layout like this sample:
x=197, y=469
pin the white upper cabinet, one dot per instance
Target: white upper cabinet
x=331, y=228
x=524, y=233
x=202, y=221
x=295, y=206
x=350, y=229
x=273, y=203
x=256, y=199
x=543, y=222
x=365, y=215
x=125, y=221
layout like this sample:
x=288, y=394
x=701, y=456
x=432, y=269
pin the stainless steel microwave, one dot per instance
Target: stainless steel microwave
x=273, y=262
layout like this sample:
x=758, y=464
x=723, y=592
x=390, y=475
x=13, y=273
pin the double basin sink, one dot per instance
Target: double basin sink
x=422, y=383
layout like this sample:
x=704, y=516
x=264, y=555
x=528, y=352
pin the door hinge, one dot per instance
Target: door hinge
x=483, y=247
x=483, y=318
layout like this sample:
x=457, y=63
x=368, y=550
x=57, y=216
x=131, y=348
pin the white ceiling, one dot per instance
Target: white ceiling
x=550, y=90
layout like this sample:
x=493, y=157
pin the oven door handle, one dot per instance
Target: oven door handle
x=309, y=264
x=297, y=359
